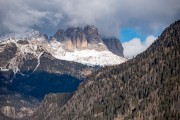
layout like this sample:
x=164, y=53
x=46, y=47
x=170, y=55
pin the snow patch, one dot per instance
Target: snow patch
x=38, y=61
x=91, y=57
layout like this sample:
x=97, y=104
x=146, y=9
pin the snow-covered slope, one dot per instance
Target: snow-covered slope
x=37, y=43
x=91, y=57
x=87, y=56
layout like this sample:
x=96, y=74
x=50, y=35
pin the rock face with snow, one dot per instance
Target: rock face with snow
x=74, y=44
x=86, y=46
x=28, y=68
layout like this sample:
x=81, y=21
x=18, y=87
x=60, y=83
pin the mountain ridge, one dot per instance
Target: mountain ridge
x=136, y=89
x=32, y=66
x=72, y=44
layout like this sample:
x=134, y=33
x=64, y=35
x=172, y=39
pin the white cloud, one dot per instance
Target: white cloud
x=107, y=15
x=135, y=46
x=149, y=40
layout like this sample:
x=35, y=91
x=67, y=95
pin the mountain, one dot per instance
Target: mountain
x=31, y=66
x=72, y=44
x=77, y=42
x=146, y=87
x=23, y=86
x=28, y=72
x=79, y=38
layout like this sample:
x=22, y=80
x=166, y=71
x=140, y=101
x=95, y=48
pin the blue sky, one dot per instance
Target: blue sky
x=135, y=42
x=127, y=34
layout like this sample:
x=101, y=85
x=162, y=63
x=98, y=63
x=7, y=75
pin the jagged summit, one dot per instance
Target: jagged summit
x=80, y=39
x=77, y=38
x=86, y=44
x=73, y=44
x=92, y=34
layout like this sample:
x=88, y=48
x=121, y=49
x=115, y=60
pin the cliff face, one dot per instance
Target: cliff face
x=73, y=38
x=7, y=52
x=87, y=38
x=114, y=45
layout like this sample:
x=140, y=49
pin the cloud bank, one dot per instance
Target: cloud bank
x=135, y=46
x=108, y=15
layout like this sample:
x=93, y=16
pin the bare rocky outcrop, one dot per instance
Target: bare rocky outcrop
x=80, y=39
x=8, y=111
x=88, y=38
x=114, y=45
x=7, y=52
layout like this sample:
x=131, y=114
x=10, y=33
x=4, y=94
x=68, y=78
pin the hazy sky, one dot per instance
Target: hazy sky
x=112, y=17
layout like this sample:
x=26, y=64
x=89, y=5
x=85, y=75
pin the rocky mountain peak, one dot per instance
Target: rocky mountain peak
x=114, y=45
x=91, y=29
x=74, y=32
x=83, y=45
x=60, y=35
x=92, y=34
x=77, y=38
x=76, y=35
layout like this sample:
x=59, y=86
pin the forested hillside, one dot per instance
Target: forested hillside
x=144, y=88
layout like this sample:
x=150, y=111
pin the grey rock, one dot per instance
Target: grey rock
x=79, y=38
x=114, y=45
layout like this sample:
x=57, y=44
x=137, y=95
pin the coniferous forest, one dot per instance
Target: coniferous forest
x=144, y=88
